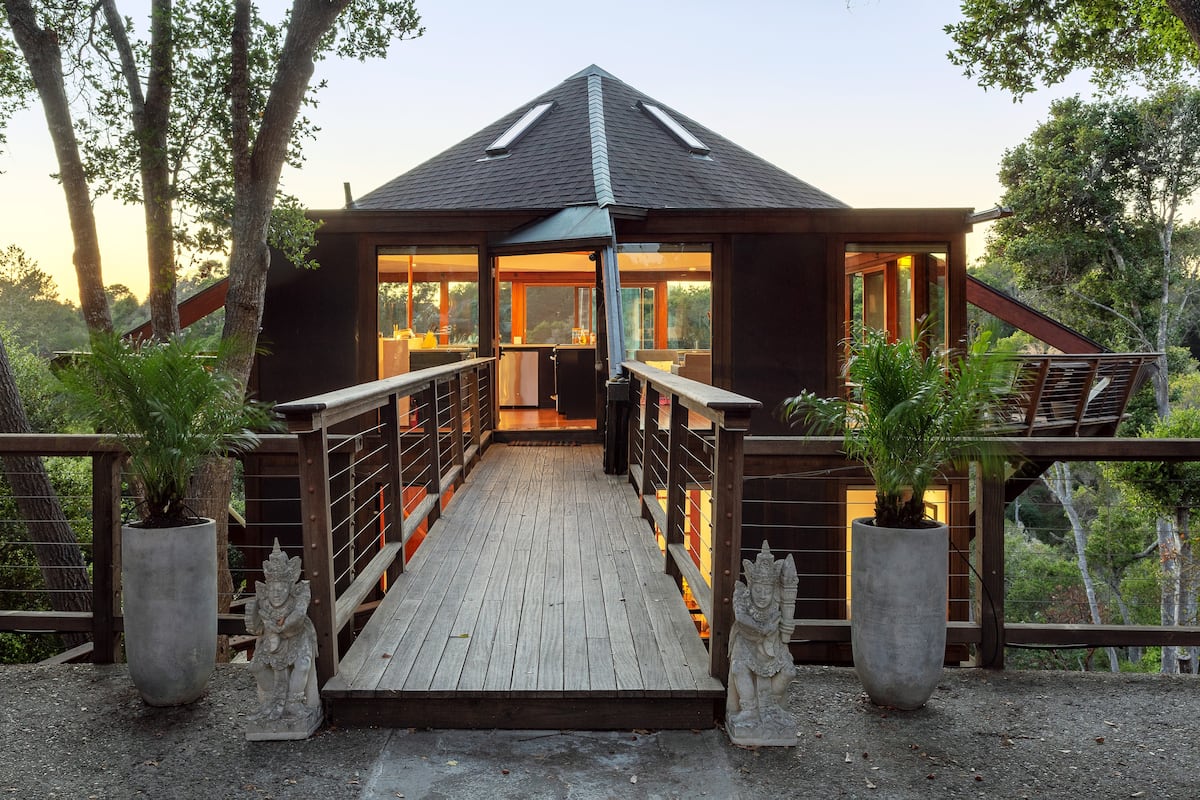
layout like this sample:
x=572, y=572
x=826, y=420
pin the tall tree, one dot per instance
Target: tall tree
x=1059, y=480
x=196, y=123
x=1097, y=191
x=1018, y=45
x=1097, y=234
x=40, y=46
x=1171, y=490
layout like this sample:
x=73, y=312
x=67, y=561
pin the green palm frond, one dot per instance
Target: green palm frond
x=910, y=410
x=167, y=405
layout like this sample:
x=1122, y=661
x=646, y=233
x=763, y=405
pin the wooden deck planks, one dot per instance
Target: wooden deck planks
x=538, y=581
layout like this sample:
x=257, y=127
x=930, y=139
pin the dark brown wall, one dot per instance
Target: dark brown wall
x=310, y=323
x=779, y=320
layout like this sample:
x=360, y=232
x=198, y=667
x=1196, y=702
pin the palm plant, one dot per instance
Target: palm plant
x=909, y=411
x=170, y=409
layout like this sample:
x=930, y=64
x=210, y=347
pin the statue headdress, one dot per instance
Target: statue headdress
x=278, y=567
x=762, y=569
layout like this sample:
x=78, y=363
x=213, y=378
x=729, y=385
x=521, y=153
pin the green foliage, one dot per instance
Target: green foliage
x=1035, y=574
x=198, y=155
x=1018, y=44
x=21, y=584
x=1159, y=486
x=910, y=412
x=15, y=86
x=169, y=409
x=1096, y=239
x=31, y=309
x=45, y=407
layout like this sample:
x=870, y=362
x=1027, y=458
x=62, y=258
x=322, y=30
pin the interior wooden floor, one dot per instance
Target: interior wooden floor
x=523, y=419
x=537, y=601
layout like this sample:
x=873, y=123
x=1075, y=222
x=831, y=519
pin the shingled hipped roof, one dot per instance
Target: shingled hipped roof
x=597, y=146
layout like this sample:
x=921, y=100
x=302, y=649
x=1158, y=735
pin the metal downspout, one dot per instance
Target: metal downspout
x=612, y=310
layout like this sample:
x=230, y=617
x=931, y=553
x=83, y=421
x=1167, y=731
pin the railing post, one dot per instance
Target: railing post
x=728, y=460
x=429, y=427
x=394, y=488
x=318, y=552
x=989, y=555
x=106, y=555
x=676, y=492
x=649, y=434
x=634, y=419
x=473, y=408
x=456, y=426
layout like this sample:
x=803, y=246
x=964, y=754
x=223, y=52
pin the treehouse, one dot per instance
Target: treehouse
x=595, y=227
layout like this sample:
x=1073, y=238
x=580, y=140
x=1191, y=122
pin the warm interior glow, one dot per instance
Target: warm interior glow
x=860, y=503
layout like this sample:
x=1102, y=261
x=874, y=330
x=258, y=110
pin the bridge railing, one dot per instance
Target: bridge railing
x=366, y=501
x=685, y=461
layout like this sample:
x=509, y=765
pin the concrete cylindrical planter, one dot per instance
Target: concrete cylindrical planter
x=898, y=611
x=169, y=593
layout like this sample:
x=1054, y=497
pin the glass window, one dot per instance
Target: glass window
x=549, y=314
x=637, y=303
x=430, y=294
x=689, y=315
x=666, y=296
x=898, y=288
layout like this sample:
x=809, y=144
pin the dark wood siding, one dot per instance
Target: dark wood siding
x=779, y=320
x=310, y=323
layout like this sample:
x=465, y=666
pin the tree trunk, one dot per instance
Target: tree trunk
x=1187, y=587
x=1133, y=653
x=1168, y=553
x=41, y=51
x=54, y=544
x=1061, y=484
x=1188, y=12
x=257, y=166
x=150, y=115
x=210, y=491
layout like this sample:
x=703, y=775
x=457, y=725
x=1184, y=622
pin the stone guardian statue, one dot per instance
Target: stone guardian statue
x=760, y=664
x=285, y=655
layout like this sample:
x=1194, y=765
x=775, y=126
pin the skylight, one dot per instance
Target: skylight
x=697, y=147
x=501, y=146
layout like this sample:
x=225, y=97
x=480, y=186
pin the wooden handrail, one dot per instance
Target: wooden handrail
x=330, y=408
x=311, y=419
x=730, y=414
x=727, y=409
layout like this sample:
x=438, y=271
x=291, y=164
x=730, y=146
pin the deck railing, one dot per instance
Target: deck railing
x=101, y=552
x=685, y=461
x=358, y=482
x=409, y=441
x=796, y=496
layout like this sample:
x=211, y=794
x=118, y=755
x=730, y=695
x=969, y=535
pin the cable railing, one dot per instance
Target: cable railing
x=685, y=461
x=77, y=594
x=368, y=500
x=801, y=494
x=381, y=456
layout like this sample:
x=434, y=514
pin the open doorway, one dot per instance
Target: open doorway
x=548, y=376
x=552, y=335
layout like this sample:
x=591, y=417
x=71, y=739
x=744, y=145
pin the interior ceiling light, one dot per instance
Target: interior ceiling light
x=501, y=146
x=697, y=147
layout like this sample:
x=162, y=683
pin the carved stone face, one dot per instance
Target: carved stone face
x=761, y=593
x=277, y=593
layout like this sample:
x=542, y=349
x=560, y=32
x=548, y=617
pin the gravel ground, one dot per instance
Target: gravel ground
x=81, y=731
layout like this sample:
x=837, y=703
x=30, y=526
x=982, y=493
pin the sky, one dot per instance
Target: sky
x=856, y=97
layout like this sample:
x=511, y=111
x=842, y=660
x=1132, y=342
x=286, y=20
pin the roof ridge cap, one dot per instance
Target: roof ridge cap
x=601, y=175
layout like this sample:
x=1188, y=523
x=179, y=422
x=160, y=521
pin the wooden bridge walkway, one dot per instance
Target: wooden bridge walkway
x=538, y=600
